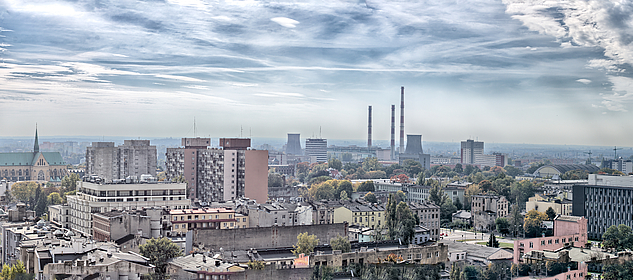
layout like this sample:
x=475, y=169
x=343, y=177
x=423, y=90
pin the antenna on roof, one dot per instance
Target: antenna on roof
x=241, y=131
x=194, y=127
x=320, y=137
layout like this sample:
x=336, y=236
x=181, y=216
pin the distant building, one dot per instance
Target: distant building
x=294, y=144
x=462, y=216
x=133, y=158
x=470, y=150
x=541, y=203
x=429, y=215
x=557, y=170
x=183, y=220
x=624, y=166
x=116, y=225
x=568, y=231
x=364, y=215
x=219, y=174
x=316, y=149
x=36, y=166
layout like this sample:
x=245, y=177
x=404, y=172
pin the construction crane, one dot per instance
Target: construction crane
x=589, y=153
x=615, y=152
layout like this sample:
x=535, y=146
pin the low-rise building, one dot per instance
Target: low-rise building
x=364, y=215
x=202, y=266
x=485, y=209
x=541, y=203
x=568, y=231
x=60, y=215
x=421, y=235
x=474, y=254
x=462, y=216
x=429, y=215
x=432, y=254
x=183, y=220
x=114, y=225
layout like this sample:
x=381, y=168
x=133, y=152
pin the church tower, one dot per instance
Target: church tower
x=36, y=146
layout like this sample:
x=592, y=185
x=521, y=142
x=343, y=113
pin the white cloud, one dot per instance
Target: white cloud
x=285, y=22
x=584, y=81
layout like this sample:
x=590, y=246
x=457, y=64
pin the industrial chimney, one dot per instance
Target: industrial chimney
x=401, y=119
x=393, y=132
x=369, y=129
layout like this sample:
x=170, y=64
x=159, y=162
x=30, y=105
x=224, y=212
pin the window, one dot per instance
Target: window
x=542, y=242
x=176, y=226
x=549, y=241
x=531, y=245
x=556, y=241
x=243, y=219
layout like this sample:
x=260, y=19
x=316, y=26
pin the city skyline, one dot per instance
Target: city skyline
x=550, y=72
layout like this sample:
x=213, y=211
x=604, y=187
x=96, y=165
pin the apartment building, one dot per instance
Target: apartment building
x=133, y=158
x=219, y=174
x=429, y=215
x=183, y=220
x=568, y=230
x=98, y=198
x=363, y=215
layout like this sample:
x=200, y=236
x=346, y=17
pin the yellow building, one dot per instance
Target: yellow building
x=365, y=215
x=183, y=220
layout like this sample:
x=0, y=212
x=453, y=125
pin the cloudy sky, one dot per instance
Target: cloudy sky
x=505, y=71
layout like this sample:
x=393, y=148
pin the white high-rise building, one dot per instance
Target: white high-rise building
x=316, y=149
x=471, y=150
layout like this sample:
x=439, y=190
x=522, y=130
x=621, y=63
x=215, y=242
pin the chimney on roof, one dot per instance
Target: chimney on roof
x=393, y=132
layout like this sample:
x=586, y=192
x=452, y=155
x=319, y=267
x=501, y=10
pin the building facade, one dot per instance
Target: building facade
x=605, y=201
x=470, y=150
x=219, y=174
x=97, y=198
x=133, y=158
x=429, y=215
x=363, y=215
x=316, y=149
x=485, y=209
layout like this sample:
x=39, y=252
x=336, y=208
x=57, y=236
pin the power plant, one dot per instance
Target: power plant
x=393, y=132
x=401, y=120
x=369, y=130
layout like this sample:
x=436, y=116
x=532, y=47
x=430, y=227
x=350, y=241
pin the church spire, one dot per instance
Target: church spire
x=36, y=146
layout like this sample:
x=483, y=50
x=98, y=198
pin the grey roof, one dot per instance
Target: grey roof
x=474, y=249
x=462, y=214
x=199, y=262
x=562, y=168
x=422, y=205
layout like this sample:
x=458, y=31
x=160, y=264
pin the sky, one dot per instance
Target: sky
x=504, y=71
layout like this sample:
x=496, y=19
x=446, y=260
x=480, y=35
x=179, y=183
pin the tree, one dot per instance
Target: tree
x=618, y=271
x=469, y=273
x=41, y=206
x=513, y=171
x=404, y=224
x=551, y=213
x=335, y=163
x=412, y=167
x=305, y=244
x=371, y=197
x=473, y=189
x=492, y=241
x=455, y=272
x=516, y=220
x=400, y=196
x=437, y=195
x=485, y=185
x=24, y=191
x=446, y=210
x=344, y=186
x=367, y=186
x=618, y=237
x=275, y=180
x=69, y=183
x=502, y=225
x=159, y=251
x=458, y=168
x=402, y=179
x=534, y=167
x=343, y=196
x=458, y=204
x=340, y=243
x=324, y=190
x=371, y=164
x=532, y=223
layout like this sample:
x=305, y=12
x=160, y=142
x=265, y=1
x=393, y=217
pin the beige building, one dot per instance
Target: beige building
x=97, y=198
x=542, y=203
x=363, y=215
x=183, y=220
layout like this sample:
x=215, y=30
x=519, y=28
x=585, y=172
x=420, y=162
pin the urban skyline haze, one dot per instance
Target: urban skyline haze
x=542, y=72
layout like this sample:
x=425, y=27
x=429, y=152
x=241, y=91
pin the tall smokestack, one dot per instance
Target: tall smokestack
x=401, y=119
x=393, y=132
x=369, y=129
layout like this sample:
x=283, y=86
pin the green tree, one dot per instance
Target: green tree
x=335, y=163
x=404, y=224
x=6, y=272
x=41, y=206
x=455, y=272
x=437, y=195
x=618, y=237
x=340, y=243
x=412, y=167
x=345, y=186
x=532, y=223
x=305, y=244
x=516, y=219
x=275, y=180
x=502, y=225
x=24, y=191
x=159, y=251
x=371, y=197
x=458, y=168
x=469, y=273
x=534, y=167
x=492, y=241
x=371, y=164
x=471, y=190
x=512, y=171
x=485, y=185
x=324, y=190
x=343, y=196
x=400, y=196
x=551, y=213
x=367, y=186
x=521, y=192
x=446, y=210
x=618, y=271
x=458, y=204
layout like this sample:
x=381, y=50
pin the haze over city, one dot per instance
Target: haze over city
x=542, y=72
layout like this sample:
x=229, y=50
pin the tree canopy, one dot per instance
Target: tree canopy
x=618, y=237
x=159, y=251
x=305, y=244
x=340, y=243
x=532, y=223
